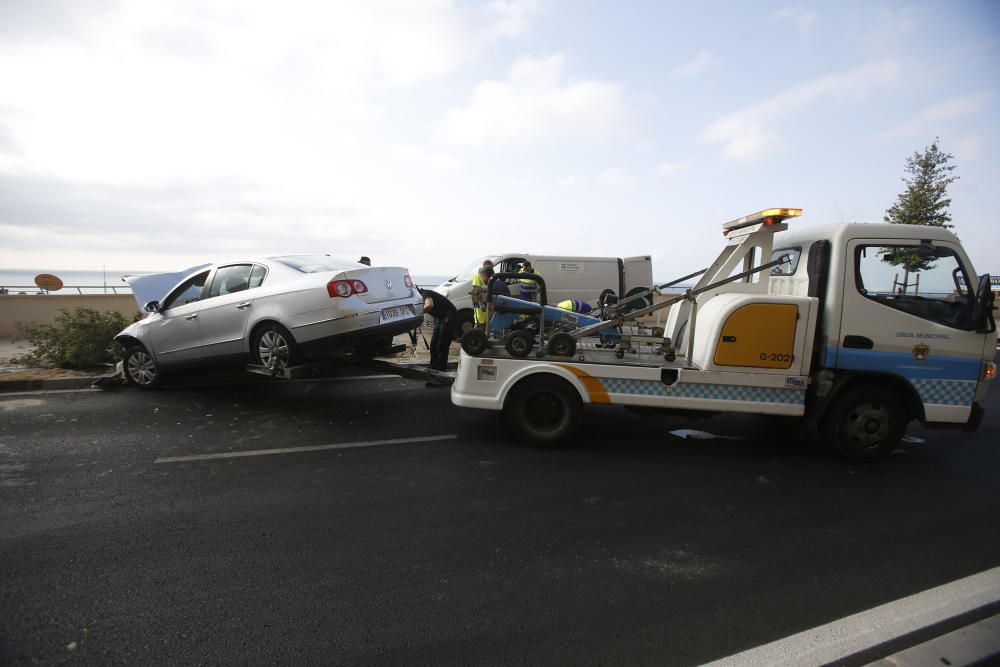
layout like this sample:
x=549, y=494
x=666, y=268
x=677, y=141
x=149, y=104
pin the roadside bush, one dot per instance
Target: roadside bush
x=79, y=338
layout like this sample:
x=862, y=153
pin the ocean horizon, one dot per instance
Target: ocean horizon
x=110, y=281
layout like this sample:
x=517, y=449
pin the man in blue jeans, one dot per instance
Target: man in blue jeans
x=445, y=314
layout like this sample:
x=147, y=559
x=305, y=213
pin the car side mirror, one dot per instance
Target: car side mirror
x=152, y=307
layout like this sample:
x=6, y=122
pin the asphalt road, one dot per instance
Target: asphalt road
x=634, y=547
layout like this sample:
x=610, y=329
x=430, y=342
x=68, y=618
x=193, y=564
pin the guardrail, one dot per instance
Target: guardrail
x=35, y=289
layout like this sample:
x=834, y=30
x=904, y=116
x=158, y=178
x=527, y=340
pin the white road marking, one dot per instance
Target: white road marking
x=38, y=392
x=850, y=635
x=296, y=450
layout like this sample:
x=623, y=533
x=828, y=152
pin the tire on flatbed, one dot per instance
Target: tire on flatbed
x=543, y=410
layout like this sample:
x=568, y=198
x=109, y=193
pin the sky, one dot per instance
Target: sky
x=426, y=133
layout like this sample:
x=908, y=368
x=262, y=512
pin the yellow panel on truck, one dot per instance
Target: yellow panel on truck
x=758, y=335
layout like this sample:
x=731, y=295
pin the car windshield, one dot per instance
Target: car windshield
x=317, y=263
x=468, y=271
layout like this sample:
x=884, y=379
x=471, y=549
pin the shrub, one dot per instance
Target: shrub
x=79, y=338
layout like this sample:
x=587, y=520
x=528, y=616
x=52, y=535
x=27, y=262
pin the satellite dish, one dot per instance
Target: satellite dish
x=48, y=282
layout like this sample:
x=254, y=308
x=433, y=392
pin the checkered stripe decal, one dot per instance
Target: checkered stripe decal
x=715, y=392
x=945, y=392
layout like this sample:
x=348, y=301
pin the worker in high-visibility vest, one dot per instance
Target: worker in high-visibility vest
x=528, y=287
x=479, y=281
x=575, y=305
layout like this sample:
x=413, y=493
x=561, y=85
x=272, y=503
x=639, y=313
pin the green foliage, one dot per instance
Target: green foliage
x=78, y=339
x=924, y=202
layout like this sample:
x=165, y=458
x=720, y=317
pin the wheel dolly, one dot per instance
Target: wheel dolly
x=510, y=320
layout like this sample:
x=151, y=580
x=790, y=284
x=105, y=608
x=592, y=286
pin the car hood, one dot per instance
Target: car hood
x=154, y=286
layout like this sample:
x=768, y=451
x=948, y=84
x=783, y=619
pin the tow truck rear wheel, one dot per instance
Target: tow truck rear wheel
x=475, y=342
x=865, y=423
x=519, y=343
x=543, y=411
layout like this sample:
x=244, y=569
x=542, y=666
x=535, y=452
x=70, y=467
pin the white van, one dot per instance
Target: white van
x=565, y=277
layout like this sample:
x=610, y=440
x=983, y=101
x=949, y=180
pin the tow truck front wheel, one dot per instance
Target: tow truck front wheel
x=865, y=424
x=543, y=411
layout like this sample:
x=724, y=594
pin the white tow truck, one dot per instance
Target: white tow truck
x=811, y=323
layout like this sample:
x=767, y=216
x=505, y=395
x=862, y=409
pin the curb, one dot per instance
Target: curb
x=50, y=383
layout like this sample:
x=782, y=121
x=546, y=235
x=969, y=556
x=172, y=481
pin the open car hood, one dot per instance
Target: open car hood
x=154, y=286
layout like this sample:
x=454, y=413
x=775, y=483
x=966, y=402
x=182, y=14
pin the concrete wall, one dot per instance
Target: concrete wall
x=45, y=307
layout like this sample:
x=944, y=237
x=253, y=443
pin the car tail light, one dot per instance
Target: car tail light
x=345, y=288
x=408, y=281
x=989, y=370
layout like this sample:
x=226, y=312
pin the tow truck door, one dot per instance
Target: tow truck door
x=914, y=324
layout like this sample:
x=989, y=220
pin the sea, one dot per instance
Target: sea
x=17, y=281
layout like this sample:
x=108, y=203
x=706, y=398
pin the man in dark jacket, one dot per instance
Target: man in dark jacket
x=445, y=316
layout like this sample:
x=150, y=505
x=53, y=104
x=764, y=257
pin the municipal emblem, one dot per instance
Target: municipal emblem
x=388, y=283
x=921, y=352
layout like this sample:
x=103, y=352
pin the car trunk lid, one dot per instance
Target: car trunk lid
x=384, y=283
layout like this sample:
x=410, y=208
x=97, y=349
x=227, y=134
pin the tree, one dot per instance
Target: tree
x=924, y=202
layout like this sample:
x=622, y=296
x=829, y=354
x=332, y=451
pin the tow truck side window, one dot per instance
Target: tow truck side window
x=786, y=269
x=923, y=280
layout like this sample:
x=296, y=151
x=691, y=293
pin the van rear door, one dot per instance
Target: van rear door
x=638, y=272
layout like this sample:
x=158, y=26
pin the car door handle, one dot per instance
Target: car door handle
x=243, y=306
x=193, y=316
x=858, y=342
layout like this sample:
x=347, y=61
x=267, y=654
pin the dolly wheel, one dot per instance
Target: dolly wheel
x=475, y=342
x=561, y=344
x=519, y=343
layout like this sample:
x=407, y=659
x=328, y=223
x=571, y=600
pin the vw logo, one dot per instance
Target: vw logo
x=388, y=283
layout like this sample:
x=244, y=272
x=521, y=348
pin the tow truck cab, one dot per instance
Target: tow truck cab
x=892, y=306
x=858, y=328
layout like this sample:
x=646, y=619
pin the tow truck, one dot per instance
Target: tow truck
x=811, y=323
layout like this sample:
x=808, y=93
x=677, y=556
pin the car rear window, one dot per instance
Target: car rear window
x=317, y=263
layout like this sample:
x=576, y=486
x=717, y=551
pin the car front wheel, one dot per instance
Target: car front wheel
x=273, y=347
x=141, y=369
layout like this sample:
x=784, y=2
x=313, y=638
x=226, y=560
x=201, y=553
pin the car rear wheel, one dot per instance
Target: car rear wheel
x=141, y=369
x=273, y=347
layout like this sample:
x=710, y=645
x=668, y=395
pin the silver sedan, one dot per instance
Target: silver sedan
x=275, y=311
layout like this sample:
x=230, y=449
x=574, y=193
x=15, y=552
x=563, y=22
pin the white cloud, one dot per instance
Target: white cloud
x=534, y=102
x=670, y=168
x=422, y=156
x=193, y=90
x=802, y=19
x=746, y=134
x=615, y=176
x=929, y=120
x=969, y=148
x=701, y=64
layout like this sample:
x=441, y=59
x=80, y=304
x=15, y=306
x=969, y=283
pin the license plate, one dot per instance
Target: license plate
x=487, y=373
x=396, y=313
